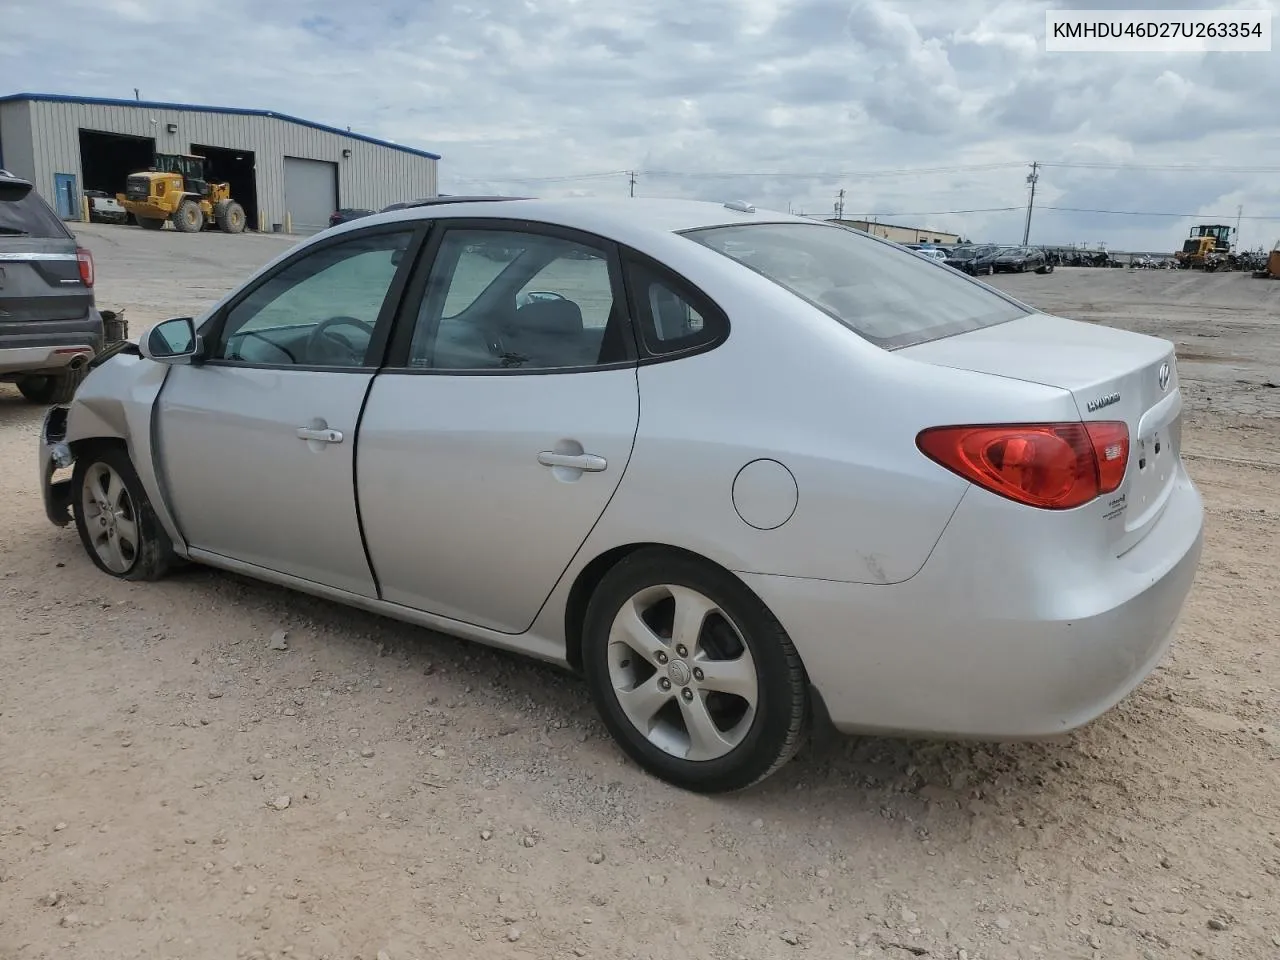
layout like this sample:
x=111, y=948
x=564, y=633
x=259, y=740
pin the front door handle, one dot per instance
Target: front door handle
x=582, y=461
x=324, y=436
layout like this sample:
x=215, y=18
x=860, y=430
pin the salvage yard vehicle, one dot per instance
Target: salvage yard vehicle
x=104, y=208
x=175, y=189
x=49, y=326
x=1019, y=259
x=973, y=260
x=831, y=483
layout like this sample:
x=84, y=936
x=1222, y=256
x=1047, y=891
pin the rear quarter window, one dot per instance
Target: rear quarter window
x=30, y=216
x=890, y=296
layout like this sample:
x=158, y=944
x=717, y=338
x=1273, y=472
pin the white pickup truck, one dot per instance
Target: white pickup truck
x=104, y=208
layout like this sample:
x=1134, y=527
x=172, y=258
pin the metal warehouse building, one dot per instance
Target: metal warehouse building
x=899, y=234
x=285, y=172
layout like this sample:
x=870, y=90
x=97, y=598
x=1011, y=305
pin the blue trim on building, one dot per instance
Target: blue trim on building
x=198, y=108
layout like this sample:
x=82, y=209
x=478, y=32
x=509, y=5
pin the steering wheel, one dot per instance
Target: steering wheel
x=323, y=339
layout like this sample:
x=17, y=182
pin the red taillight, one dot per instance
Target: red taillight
x=1054, y=466
x=1110, y=441
x=85, y=259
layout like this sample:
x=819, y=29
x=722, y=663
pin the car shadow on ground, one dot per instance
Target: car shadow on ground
x=968, y=786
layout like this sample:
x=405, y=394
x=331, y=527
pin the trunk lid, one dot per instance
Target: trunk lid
x=40, y=280
x=1112, y=375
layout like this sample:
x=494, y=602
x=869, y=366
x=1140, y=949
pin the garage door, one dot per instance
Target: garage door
x=310, y=193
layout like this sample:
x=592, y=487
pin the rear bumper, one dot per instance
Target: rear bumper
x=49, y=346
x=970, y=649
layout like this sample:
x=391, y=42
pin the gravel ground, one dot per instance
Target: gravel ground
x=172, y=785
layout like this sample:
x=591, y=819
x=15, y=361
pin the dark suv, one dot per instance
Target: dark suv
x=49, y=326
x=973, y=260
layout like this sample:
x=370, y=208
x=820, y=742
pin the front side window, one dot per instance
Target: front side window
x=884, y=294
x=319, y=310
x=509, y=299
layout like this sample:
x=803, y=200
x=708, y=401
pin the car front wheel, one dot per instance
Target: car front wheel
x=115, y=520
x=692, y=675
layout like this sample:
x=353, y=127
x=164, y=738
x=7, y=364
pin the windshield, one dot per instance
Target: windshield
x=879, y=291
x=30, y=216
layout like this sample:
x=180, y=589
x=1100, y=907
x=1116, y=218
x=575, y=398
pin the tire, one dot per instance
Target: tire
x=149, y=223
x=229, y=216
x=188, y=218
x=142, y=549
x=755, y=743
x=52, y=388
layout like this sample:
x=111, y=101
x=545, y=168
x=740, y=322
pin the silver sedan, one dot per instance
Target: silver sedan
x=741, y=470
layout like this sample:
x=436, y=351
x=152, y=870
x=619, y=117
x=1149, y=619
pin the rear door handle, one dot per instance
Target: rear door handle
x=324, y=436
x=582, y=461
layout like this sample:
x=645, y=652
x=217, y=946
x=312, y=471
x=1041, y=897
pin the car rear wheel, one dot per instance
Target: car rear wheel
x=693, y=676
x=115, y=520
x=53, y=388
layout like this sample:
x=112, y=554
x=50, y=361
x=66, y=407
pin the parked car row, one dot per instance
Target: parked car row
x=986, y=259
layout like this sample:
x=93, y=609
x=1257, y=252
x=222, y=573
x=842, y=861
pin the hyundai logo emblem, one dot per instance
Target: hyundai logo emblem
x=1164, y=376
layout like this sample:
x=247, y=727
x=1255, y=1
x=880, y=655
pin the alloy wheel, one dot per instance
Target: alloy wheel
x=682, y=673
x=110, y=518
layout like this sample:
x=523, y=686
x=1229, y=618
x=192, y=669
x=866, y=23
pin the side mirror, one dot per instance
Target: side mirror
x=173, y=341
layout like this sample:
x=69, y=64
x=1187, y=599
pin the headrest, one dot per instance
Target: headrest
x=549, y=316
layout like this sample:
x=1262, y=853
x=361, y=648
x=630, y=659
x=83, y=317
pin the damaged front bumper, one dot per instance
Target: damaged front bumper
x=55, y=455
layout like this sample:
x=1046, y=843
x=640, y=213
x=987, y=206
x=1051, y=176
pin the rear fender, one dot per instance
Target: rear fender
x=117, y=402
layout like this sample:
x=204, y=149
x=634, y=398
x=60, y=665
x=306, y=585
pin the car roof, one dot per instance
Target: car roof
x=608, y=216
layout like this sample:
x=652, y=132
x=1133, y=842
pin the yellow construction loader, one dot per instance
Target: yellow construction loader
x=1207, y=248
x=175, y=189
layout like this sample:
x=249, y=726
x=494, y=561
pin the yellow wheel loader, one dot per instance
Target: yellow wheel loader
x=175, y=189
x=1207, y=248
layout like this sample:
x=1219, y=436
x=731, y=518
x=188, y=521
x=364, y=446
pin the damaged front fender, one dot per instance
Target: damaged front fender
x=115, y=402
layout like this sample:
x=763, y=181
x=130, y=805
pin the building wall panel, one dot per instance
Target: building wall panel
x=371, y=176
x=18, y=156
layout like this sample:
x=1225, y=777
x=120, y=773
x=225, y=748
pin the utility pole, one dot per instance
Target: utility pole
x=1032, y=177
x=633, y=183
x=1239, y=213
x=137, y=94
x=840, y=204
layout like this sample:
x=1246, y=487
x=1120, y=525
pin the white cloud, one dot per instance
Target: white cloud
x=805, y=89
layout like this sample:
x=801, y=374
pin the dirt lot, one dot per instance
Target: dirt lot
x=448, y=801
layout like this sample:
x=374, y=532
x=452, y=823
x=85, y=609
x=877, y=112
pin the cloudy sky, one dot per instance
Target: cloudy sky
x=915, y=108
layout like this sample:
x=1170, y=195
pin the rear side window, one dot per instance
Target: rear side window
x=672, y=317
x=30, y=216
x=890, y=296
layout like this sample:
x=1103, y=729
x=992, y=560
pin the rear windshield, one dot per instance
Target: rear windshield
x=30, y=216
x=888, y=295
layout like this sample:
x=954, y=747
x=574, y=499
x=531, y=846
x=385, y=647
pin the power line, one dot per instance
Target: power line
x=1153, y=213
x=1205, y=167
x=935, y=213
x=831, y=174
x=565, y=178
